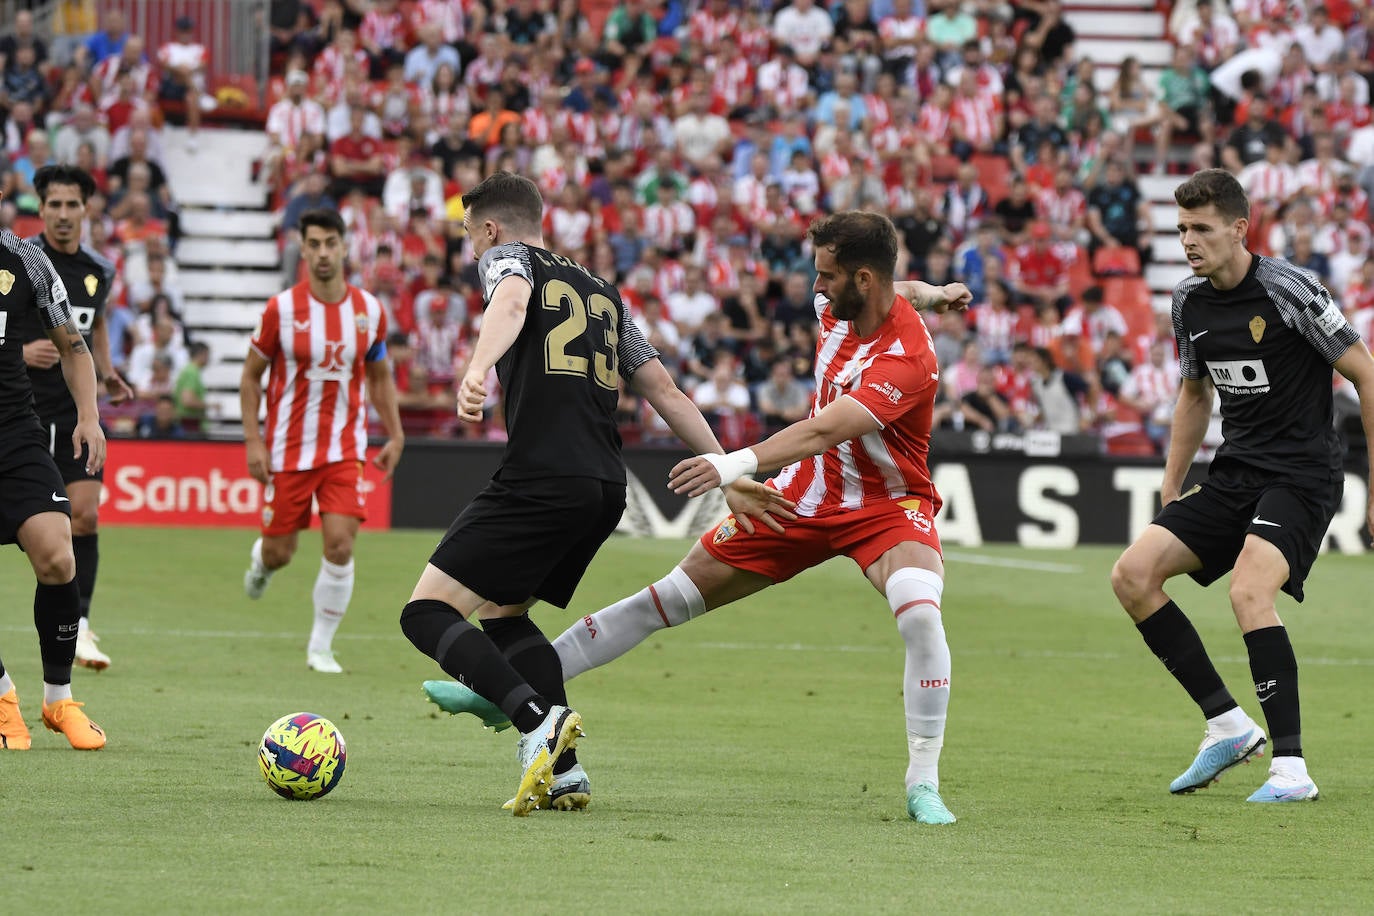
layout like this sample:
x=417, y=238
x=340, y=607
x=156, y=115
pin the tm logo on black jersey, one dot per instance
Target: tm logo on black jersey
x=1239, y=376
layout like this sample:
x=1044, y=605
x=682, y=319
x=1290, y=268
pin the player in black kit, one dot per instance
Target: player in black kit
x=63, y=191
x=560, y=339
x=1265, y=335
x=34, y=510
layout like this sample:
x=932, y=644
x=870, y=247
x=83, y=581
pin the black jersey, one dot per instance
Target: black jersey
x=1267, y=345
x=560, y=377
x=87, y=277
x=30, y=291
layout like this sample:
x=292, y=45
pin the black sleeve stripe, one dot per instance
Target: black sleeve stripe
x=633, y=347
x=1187, y=360
x=49, y=295
x=1307, y=307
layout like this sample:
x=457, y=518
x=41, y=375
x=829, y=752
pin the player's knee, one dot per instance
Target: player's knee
x=85, y=519
x=339, y=552
x=914, y=596
x=1131, y=578
x=54, y=567
x=276, y=555
x=1248, y=598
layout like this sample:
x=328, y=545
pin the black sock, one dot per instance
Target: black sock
x=1171, y=637
x=532, y=655
x=465, y=653
x=86, y=547
x=1275, y=670
x=56, y=616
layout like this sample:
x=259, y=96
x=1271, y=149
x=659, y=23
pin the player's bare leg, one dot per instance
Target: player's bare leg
x=911, y=577
x=85, y=497
x=268, y=554
x=333, y=589
x=1259, y=573
x=1138, y=579
x=436, y=622
x=47, y=542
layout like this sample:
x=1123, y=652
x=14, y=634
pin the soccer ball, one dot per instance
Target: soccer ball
x=302, y=756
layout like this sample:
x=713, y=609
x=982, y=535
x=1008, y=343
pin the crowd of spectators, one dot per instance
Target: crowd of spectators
x=91, y=95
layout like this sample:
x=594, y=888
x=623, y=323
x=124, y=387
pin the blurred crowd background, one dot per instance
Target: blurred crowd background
x=683, y=147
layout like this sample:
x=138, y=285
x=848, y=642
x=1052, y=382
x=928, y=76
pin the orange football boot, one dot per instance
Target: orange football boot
x=65, y=716
x=14, y=734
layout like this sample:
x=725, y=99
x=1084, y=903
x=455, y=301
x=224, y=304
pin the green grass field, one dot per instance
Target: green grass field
x=749, y=762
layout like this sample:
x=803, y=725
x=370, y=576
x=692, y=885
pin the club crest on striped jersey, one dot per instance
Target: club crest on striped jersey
x=726, y=530
x=361, y=321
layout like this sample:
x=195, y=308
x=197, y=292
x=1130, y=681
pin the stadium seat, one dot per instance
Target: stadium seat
x=1116, y=261
x=944, y=168
x=1131, y=297
x=994, y=174
x=1080, y=278
x=1131, y=445
x=26, y=227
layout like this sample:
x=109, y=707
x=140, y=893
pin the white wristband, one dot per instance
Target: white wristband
x=735, y=465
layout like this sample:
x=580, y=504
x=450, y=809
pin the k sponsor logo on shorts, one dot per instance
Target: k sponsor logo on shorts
x=919, y=520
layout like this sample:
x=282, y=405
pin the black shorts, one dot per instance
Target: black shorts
x=1214, y=517
x=29, y=481
x=60, y=447
x=533, y=538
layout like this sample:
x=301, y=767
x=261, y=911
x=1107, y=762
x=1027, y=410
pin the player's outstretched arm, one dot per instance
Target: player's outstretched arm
x=501, y=324
x=747, y=498
x=1192, y=413
x=1357, y=365
x=250, y=399
x=381, y=392
x=839, y=421
x=938, y=299
x=79, y=370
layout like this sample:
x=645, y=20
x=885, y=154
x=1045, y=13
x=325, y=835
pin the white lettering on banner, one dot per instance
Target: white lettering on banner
x=1346, y=531
x=215, y=493
x=1141, y=485
x=1031, y=490
x=958, y=521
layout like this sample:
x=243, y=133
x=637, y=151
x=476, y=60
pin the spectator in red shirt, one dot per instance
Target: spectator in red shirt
x=355, y=160
x=1039, y=275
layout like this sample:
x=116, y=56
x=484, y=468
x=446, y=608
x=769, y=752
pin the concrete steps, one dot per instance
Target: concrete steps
x=1115, y=24
x=225, y=253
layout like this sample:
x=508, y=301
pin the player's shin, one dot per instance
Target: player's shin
x=1171, y=637
x=469, y=656
x=86, y=549
x=333, y=591
x=56, y=615
x=914, y=596
x=1275, y=670
x=611, y=632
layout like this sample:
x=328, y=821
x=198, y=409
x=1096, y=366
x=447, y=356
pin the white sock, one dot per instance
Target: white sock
x=83, y=627
x=914, y=596
x=6, y=685
x=54, y=693
x=1230, y=723
x=333, y=589
x=611, y=632
x=1295, y=767
x=255, y=560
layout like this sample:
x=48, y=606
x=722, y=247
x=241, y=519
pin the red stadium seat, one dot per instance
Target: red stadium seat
x=26, y=227
x=1131, y=445
x=1116, y=261
x=944, y=168
x=994, y=174
x=1131, y=297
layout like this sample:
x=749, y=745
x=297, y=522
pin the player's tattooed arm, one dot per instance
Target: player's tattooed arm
x=79, y=370
x=929, y=298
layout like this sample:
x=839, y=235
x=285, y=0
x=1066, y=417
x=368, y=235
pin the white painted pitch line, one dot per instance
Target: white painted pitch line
x=978, y=559
x=894, y=648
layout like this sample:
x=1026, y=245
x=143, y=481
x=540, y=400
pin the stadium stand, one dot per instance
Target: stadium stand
x=683, y=146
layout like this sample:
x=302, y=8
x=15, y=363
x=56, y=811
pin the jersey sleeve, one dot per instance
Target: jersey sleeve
x=49, y=293
x=267, y=338
x=1307, y=305
x=501, y=262
x=895, y=383
x=1187, y=357
x=633, y=349
x=377, y=350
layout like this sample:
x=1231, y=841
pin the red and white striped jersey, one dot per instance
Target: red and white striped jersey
x=1269, y=182
x=730, y=80
x=569, y=228
x=288, y=124
x=317, y=353
x=706, y=30
x=446, y=14
x=382, y=29
x=667, y=226
x=1061, y=209
x=996, y=328
x=933, y=121
x=979, y=117
x=893, y=375
x=785, y=83
x=332, y=65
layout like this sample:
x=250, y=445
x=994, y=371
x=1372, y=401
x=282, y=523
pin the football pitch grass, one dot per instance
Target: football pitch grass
x=751, y=761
